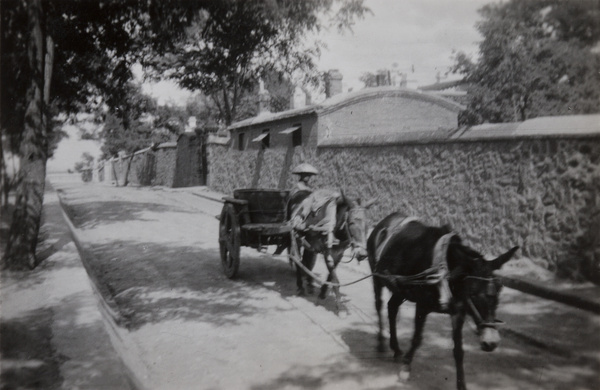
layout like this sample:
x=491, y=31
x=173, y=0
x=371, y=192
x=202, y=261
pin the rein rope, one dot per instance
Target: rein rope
x=346, y=227
x=294, y=257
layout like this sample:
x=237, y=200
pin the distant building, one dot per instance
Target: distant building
x=381, y=113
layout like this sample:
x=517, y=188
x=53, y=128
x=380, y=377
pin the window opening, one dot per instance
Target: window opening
x=241, y=141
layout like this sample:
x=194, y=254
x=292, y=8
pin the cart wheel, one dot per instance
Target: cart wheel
x=229, y=241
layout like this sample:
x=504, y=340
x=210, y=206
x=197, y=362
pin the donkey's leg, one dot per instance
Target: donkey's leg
x=295, y=252
x=337, y=257
x=420, y=317
x=458, y=319
x=377, y=287
x=393, y=308
x=329, y=262
x=308, y=260
x=299, y=284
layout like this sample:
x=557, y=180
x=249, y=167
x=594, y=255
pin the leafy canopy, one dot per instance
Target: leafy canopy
x=537, y=57
x=234, y=43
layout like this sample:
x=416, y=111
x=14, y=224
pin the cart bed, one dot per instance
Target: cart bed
x=264, y=206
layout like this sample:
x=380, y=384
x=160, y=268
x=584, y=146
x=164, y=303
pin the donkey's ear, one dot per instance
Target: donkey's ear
x=345, y=199
x=502, y=259
x=370, y=202
x=446, y=228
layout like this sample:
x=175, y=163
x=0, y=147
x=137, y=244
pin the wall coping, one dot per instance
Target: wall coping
x=217, y=140
x=167, y=145
x=566, y=127
x=358, y=142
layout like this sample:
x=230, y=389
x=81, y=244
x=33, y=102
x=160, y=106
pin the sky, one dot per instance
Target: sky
x=419, y=36
x=416, y=37
x=70, y=149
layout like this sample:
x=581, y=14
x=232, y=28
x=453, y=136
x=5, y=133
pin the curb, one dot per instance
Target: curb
x=109, y=314
x=549, y=293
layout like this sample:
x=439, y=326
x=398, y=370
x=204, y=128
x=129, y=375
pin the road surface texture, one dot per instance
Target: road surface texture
x=178, y=323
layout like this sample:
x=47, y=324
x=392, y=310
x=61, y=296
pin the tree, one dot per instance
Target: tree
x=537, y=58
x=82, y=49
x=34, y=146
x=237, y=42
x=87, y=160
x=138, y=123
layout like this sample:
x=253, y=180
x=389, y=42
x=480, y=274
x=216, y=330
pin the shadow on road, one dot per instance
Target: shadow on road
x=28, y=358
x=97, y=213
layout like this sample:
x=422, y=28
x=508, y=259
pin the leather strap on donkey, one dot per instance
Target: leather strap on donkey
x=437, y=274
x=385, y=235
x=440, y=261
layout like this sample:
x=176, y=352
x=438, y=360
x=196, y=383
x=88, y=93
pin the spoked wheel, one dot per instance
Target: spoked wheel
x=229, y=241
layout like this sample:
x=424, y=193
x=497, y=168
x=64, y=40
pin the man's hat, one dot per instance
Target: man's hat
x=305, y=169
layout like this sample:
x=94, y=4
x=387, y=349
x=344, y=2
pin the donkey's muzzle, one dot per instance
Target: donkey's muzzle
x=489, y=339
x=360, y=253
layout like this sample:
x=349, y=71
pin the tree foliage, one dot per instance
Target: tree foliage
x=87, y=161
x=234, y=43
x=137, y=125
x=537, y=57
x=61, y=56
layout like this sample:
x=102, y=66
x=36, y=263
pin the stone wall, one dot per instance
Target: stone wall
x=230, y=169
x=387, y=115
x=190, y=163
x=166, y=156
x=542, y=194
x=148, y=167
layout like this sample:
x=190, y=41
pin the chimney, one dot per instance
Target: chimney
x=300, y=98
x=308, y=97
x=383, y=78
x=333, y=83
x=404, y=80
x=264, y=98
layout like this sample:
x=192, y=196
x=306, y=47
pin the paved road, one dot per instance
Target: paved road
x=181, y=324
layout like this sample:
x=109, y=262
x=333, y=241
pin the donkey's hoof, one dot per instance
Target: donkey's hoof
x=404, y=373
x=323, y=293
x=300, y=292
x=381, y=343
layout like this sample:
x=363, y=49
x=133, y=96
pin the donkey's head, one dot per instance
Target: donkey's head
x=353, y=219
x=479, y=290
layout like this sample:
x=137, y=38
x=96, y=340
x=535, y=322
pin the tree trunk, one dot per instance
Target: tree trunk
x=114, y=173
x=22, y=241
x=126, y=180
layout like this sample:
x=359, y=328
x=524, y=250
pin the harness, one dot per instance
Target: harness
x=346, y=227
x=490, y=290
x=437, y=273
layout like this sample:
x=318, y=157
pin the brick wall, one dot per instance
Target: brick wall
x=148, y=167
x=165, y=165
x=541, y=194
x=386, y=115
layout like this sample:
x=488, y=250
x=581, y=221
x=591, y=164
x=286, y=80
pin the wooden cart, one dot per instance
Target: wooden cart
x=254, y=218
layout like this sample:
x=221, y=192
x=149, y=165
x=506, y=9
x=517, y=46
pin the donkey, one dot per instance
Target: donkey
x=350, y=230
x=399, y=250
